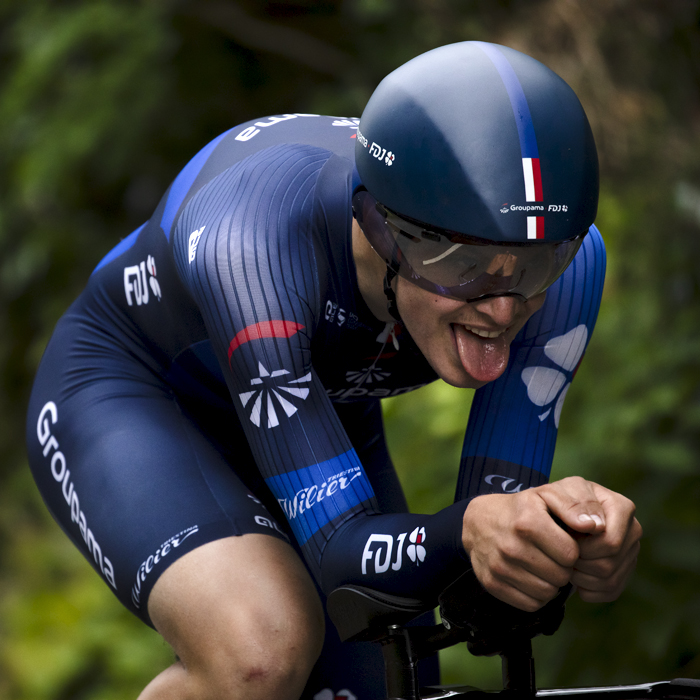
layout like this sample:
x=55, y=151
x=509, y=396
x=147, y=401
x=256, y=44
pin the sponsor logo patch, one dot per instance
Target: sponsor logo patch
x=269, y=522
x=262, y=396
x=252, y=131
x=503, y=482
x=379, y=548
x=305, y=499
x=193, y=243
x=61, y=474
x=313, y=496
x=147, y=566
x=375, y=150
x=136, y=284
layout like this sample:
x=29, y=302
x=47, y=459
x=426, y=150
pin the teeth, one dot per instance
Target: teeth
x=484, y=334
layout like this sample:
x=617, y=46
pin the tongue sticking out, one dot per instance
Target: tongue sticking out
x=484, y=359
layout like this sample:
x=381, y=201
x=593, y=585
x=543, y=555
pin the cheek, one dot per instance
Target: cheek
x=423, y=321
x=535, y=304
x=531, y=307
x=421, y=307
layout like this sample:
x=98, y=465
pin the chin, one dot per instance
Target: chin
x=468, y=383
x=459, y=379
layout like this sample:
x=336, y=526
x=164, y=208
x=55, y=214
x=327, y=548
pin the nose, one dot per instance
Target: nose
x=501, y=310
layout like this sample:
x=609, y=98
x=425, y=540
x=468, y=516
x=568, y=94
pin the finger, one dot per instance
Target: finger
x=620, y=521
x=604, y=594
x=535, y=530
x=611, y=576
x=533, y=563
x=615, y=540
x=525, y=569
x=575, y=502
x=535, y=587
x=514, y=595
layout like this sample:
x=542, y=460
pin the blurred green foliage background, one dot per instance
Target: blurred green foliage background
x=103, y=101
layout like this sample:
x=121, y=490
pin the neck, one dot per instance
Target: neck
x=370, y=274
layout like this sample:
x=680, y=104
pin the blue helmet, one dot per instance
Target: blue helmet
x=481, y=140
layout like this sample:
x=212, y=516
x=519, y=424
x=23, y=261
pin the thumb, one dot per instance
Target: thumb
x=574, y=502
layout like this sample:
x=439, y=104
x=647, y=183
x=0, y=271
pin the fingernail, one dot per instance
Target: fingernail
x=598, y=520
x=584, y=517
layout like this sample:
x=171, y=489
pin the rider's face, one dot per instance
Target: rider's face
x=447, y=332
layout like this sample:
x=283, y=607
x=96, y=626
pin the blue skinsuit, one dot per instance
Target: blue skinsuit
x=221, y=375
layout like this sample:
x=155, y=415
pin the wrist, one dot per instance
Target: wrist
x=469, y=518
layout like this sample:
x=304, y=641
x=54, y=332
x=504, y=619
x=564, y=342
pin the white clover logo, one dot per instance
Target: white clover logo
x=390, y=158
x=416, y=550
x=265, y=394
x=544, y=384
x=152, y=281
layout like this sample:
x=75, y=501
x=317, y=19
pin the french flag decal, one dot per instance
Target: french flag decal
x=533, y=193
x=533, y=179
x=526, y=134
x=535, y=227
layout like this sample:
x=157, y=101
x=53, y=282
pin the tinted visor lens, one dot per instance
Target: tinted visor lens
x=460, y=266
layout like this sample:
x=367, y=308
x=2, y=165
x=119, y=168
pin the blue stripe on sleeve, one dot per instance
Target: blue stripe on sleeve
x=313, y=496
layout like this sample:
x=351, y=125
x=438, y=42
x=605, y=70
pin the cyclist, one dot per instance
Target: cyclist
x=206, y=416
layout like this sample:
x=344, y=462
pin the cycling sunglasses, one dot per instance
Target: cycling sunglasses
x=459, y=266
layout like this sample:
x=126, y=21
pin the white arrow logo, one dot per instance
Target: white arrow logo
x=264, y=394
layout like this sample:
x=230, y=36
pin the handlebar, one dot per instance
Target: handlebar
x=469, y=614
x=488, y=626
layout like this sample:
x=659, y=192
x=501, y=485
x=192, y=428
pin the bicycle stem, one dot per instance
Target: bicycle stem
x=404, y=647
x=518, y=667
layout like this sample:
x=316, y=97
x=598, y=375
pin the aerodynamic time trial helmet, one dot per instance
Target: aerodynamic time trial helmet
x=479, y=172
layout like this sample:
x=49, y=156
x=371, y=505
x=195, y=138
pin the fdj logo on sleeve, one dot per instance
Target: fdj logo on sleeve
x=380, y=547
x=61, y=474
x=135, y=285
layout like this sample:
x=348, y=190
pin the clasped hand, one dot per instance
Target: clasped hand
x=523, y=557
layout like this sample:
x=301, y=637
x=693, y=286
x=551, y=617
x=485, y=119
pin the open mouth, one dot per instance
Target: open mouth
x=482, y=353
x=483, y=333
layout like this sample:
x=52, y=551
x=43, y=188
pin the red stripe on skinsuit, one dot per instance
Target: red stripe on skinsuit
x=264, y=329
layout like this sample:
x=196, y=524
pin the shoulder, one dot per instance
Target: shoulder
x=334, y=135
x=282, y=205
x=272, y=188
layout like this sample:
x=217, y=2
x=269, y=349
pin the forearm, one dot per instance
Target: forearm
x=404, y=554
